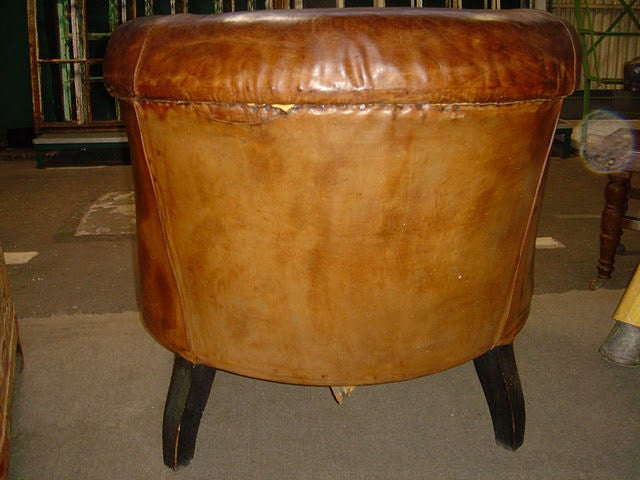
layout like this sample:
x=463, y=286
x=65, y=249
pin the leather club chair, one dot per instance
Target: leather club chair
x=339, y=197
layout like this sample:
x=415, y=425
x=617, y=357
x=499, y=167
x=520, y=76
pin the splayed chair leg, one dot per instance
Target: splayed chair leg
x=498, y=375
x=188, y=393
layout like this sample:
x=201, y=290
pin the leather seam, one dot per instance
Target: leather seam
x=159, y=208
x=575, y=51
x=539, y=193
x=323, y=105
x=136, y=68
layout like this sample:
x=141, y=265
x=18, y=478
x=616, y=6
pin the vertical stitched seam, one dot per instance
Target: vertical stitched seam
x=159, y=208
x=575, y=53
x=505, y=316
x=136, y=68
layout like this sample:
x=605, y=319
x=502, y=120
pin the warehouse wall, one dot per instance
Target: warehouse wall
x=15, y=94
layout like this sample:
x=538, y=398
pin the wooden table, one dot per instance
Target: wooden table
x=614, y=218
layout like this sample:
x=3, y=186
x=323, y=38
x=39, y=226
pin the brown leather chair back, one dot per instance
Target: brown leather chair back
x=339, y=197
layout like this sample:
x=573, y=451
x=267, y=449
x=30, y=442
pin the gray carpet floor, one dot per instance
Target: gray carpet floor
x=88, y=403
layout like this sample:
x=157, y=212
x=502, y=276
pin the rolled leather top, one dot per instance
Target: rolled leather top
x=344, y=56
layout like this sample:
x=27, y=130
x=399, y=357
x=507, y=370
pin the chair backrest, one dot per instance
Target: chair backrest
x=339, y=197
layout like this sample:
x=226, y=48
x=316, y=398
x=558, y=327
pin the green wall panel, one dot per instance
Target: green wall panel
x=15, y=92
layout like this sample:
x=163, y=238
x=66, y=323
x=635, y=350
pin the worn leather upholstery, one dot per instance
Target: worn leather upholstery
x=339, y=197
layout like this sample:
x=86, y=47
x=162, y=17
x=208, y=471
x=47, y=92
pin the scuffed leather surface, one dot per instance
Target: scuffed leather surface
x=337, y=243
x=390, y=55
x=160, y=297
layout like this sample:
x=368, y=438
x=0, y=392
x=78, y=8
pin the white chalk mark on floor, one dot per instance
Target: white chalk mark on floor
x=18, y=258
x=543, y=243
x=112, y=214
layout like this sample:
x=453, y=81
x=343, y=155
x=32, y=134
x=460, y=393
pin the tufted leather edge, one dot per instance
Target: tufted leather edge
x=345, y=56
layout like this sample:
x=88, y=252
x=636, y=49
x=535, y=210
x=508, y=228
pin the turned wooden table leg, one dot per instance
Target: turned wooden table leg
x=616, y=193
x=187, y=397
x=498, y=375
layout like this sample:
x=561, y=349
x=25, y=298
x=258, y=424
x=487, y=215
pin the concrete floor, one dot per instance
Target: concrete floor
x=88, y=404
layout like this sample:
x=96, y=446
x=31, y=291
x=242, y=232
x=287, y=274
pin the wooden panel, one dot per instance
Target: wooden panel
x=8, y=354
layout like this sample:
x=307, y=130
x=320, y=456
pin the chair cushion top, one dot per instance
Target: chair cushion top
x=333, y=56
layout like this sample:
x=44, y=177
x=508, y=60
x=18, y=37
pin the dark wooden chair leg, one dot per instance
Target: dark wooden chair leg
x=616, y=194
x=188, y=393
x=498, y=375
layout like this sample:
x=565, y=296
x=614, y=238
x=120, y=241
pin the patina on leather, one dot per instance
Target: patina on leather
x=339, y=197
